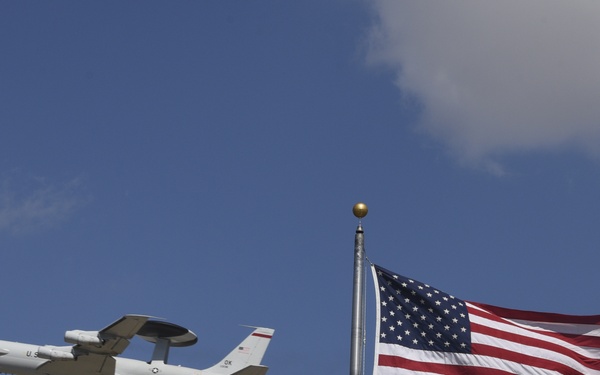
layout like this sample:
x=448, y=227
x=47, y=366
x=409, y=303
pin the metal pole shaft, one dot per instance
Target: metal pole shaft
x=358, y=304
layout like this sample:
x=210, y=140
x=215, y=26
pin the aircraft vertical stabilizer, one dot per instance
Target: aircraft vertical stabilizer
x=246, y=357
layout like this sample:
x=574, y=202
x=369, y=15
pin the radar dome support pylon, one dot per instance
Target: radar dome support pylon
x=166, y=335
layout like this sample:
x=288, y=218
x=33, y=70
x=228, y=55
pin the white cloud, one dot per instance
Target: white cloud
x=36, y=204
x=496, y=77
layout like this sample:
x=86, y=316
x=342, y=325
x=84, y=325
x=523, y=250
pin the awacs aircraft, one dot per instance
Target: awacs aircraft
x=95, y=352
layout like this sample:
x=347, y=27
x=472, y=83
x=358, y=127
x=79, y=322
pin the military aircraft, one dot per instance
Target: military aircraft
x=95, y=352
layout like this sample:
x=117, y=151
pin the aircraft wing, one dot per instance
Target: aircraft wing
x=93, y=364
x=115, y=338
x=93, y=350
x=253, y=370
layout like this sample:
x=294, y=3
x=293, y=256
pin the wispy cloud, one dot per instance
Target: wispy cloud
x=36, y=204
x=496, y=78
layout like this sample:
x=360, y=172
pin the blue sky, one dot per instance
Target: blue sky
x=198, y=161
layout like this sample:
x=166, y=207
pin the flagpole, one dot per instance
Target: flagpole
x=360, y=210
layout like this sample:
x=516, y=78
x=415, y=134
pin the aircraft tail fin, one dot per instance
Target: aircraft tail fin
x=245, y=358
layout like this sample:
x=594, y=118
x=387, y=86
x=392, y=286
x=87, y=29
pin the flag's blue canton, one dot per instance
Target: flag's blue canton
x=418, y=316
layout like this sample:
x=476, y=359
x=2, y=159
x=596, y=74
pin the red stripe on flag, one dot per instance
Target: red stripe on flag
x=528, y=341
x=523, y=359
x=537, y=316
x=572, y=338
x=437, y=368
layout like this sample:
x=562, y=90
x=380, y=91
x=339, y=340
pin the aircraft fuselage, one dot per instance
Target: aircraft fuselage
x=22, y=359
x=17, y=358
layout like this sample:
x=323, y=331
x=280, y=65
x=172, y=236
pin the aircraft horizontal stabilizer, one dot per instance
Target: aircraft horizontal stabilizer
x=253, y=370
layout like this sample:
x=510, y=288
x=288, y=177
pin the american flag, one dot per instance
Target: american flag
x=422, y=330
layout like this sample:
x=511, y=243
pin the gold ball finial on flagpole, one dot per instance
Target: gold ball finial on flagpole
x=360, y=210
